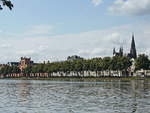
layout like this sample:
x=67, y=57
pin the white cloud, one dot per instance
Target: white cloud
x=96, y=2
x=40, y=30
x=115, y=38
x=5, y=45
x=42, y=47
x=131, y=7
x=26, y=52
x=97, y=52
x=96, y=43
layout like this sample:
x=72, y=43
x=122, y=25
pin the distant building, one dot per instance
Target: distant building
x=25, y=62
x=74, y=57
x=13, y=63
x=120, y=53
x=132, y=54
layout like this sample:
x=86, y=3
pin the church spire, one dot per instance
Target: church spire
x=121, y=51
x=133, y=48
x=114, y=51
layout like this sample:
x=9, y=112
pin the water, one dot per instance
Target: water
x=25, y=96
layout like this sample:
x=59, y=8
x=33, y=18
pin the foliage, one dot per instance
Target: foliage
x=9, y=69
x=116, y=63
x=7, y=3
x=142, y=62
x=79, y=65
x=120, y=63
x=106, y=63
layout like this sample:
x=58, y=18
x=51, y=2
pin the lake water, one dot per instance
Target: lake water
x=27, y=96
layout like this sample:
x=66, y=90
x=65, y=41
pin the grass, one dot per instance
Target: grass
x=86, y=79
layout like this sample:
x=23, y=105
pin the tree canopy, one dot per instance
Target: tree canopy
x=79, y=65
x=6, y=3
x=142, y=62
x=116, y=63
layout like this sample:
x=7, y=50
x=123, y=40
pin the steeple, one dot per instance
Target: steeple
x=133, y=49
x=114, y=51
x=121, y=51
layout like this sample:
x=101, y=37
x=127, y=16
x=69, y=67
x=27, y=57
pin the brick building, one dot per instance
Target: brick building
x=24, y=62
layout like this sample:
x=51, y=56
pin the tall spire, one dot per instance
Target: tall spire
x=121, y=51
x=114, y=51
x=133, y=48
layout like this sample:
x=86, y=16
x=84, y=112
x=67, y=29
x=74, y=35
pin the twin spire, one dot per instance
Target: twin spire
x=132, y=54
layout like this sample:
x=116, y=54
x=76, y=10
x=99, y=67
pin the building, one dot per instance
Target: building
x=25, y=62
x=74, y=57
x=13, y=63
x=120, y=53
x=132, y=54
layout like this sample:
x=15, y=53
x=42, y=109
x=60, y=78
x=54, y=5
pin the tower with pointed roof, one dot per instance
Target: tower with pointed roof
x=114, y=51
x=120, y=53
x=133, y=53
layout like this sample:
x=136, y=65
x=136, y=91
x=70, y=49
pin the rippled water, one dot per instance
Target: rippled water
x=25, y=96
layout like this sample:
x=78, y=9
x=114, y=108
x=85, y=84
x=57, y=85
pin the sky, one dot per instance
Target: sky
x=55, y=29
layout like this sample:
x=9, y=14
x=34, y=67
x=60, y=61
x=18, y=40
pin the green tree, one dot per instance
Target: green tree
x=86, y=65
x=15, y=69
x=106, y=63
x=96, y=65
x=9, y=69
x=142, y=62
x=120, y=63
x=125, y=63
x=28, y=69
x=6, y=3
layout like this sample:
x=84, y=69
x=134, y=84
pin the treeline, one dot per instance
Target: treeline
x=142, y=62
x=9, y=69
x=95, y=64
x=116, y=63
x=79, y=65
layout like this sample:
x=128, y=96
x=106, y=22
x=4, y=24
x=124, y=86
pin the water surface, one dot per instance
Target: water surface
x=29, y=96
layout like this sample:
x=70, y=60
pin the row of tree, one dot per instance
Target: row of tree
x=95, y=64
x=9, y=69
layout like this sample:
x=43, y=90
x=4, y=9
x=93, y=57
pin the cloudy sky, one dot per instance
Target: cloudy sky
x=54, y=29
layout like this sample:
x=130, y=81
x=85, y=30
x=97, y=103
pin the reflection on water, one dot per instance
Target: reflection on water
x=20, y=96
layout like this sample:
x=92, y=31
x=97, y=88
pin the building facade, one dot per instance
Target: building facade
x=131, y=55
x=24, y=62
x=120, y=53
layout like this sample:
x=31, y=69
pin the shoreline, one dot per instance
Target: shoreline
x=82, y=79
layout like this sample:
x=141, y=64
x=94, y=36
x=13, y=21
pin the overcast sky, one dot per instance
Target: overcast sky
x=54, y=29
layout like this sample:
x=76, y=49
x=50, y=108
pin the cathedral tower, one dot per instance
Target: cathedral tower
x=133, y=53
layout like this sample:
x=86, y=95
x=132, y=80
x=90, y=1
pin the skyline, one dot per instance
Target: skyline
x=57, y=29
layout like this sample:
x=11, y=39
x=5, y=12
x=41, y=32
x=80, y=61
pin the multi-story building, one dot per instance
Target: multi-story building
x=25, y=62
